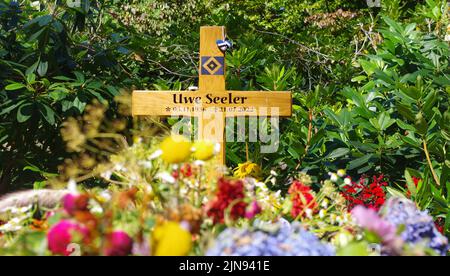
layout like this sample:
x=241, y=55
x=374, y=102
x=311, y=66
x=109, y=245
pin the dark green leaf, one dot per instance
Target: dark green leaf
x=338, y=153
x=356, y=163
x=24, y=112
x=42, y=68
x=48, y=114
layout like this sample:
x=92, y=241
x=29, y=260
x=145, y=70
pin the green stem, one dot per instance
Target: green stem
x=427, y=154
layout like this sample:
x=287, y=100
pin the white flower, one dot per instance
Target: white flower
x=97, y=209
x=145, y=164
x=120, y=167
x=183, y=192
x=25, y=209
x=72, y=186
x=35, y=4
x=15, y=210
x=274, y=173
x=105, y=195
x=348, y=181
x=322, y=213
x=106, y=174
x=324, y=203
x=273, y=181
x=166, y=177
x=8, y=227
x=278, y=194
x=333, y=177
x=134, y=177
x=13, y=225
x=309, y=213
x=155, y=155
x=261, y=186
x=15, y=221
x=199, y=163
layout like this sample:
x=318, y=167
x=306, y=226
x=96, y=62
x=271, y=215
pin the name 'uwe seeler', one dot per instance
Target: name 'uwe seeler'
x=179, y=98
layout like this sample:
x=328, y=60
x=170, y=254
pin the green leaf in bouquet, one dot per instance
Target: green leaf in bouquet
x=354, y=249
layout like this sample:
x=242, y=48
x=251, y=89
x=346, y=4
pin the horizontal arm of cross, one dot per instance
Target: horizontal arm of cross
x=230, y=103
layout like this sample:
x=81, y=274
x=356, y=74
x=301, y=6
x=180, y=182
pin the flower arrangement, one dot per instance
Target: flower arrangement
x=167, y=202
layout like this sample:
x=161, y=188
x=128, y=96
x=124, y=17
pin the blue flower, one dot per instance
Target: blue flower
x=269, y=239
x=419, y=225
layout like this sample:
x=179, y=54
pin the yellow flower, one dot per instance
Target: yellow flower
x=175, y=149
x=204, y=150
x=341, y=173
x=170, y=239
x=247, y=169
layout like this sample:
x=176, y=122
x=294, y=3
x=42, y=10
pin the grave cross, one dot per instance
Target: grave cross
x=212, y=103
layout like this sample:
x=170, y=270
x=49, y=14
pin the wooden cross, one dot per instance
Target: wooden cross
x=212, y=102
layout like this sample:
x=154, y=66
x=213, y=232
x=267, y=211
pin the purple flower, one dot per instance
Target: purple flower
x=253, y=210
x=73, y=203
x=418, y=225
x=370, y=220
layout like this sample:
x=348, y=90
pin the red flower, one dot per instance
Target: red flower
x=301, y=198
x=440, y=223
x=371, y=195
x=229, y=198
x=185, y=171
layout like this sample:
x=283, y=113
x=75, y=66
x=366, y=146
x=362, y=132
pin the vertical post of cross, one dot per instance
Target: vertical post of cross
x=211, y=124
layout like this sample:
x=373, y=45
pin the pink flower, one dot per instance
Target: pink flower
x=62, y=234
x=253, y=210
x=73, y=203
x=370, y=220
x=118, y=244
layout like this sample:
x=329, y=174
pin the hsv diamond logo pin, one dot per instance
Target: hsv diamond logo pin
x=212, y=65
